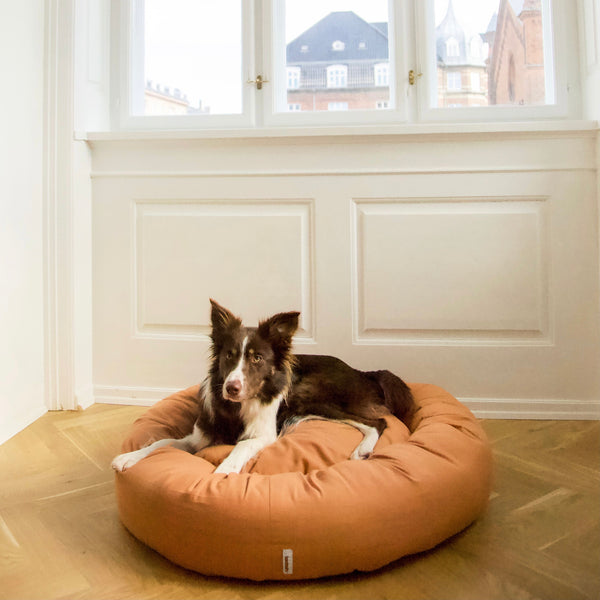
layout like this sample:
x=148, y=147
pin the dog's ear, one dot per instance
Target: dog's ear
x=280, y=329
x=221, y=318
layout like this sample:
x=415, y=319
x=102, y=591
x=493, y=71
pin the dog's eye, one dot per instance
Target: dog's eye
x=256, y=358
x=229, y=355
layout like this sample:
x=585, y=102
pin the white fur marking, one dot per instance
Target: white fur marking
x=194, y=441
x=206, y=397
x=238, y=373
x=260, y=431
x=363, y=450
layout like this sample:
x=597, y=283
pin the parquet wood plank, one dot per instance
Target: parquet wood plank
x=60, y=536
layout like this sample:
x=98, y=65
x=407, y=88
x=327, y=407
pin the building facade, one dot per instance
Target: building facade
x=516, y=62
x=462, y=74
x=340, y=63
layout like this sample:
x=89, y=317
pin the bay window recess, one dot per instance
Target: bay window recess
x=195, y=63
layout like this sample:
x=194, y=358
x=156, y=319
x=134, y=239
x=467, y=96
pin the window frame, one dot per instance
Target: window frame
x=274, y=102
x=128, y=56
x=263, y=49
x=554, y=53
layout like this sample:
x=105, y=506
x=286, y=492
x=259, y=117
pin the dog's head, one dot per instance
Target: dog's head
x=252, y=362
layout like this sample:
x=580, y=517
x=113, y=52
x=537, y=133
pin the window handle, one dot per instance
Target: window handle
x=258, y=81
x=412, y=77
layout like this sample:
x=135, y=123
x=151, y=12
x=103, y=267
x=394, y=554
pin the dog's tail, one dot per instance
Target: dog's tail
x=397, y=395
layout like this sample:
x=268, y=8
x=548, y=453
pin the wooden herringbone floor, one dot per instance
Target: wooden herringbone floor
x=60, y=536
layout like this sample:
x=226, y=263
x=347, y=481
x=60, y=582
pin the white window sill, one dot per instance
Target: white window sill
x=410, y=132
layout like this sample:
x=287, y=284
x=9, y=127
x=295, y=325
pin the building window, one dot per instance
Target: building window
x=338, y=46
x=475, y=81
x=453, y=81
x=382, y=74
x=382, y=104
x=476, y=47
x=337, y=76
x=295, y=107
x=293, y=78
x=337, y=106
x=452, y=48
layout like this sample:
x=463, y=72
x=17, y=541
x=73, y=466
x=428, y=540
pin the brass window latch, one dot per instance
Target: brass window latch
x=412, y=77
x=258, y=81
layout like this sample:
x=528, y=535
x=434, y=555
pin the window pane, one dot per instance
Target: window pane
x=188, y=59
x=337, y=56
x=492, y=52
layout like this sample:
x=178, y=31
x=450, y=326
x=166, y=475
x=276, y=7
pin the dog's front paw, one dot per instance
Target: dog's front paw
x=125, y=461
x=359, y=454
x=229, y=466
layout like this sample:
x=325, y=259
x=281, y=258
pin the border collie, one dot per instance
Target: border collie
x=256, y=388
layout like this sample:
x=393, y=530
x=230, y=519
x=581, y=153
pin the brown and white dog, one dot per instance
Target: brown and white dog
x=256, y=388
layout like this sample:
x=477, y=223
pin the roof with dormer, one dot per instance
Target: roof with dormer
x=454, y=44
x=340, y=36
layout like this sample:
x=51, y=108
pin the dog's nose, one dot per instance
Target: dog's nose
x=233, y=388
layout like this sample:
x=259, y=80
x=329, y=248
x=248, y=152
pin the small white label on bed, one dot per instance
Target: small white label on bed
x=288, y=562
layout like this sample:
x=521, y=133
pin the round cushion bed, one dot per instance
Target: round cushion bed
x=301, y=509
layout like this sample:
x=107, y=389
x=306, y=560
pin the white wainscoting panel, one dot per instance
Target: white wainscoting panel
x=186, y=252
x=455, y=270
x=471, y=264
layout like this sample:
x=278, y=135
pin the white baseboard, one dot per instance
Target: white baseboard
x=130, y=396
x=15, y=423
x=482, y=408
x=534, y=409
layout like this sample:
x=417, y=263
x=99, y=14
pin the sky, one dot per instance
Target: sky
x=183, y=38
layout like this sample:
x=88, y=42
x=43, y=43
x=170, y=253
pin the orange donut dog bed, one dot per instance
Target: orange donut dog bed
x=301, y=509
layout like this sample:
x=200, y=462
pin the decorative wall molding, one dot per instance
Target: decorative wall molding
x=467, y=271
x=325, y=157
x=271, y=239
x=67, y=221
x=354, y=172
x=58, y=230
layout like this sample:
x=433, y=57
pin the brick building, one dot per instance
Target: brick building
x=516, y=62
x=340, y=63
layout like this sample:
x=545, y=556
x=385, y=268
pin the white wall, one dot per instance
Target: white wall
x=21, y=206
x=465, y=260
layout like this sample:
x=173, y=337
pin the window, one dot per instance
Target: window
x=190, y=62
x=476, y=46
x=293, y=78
x=453, y=81
x=337, y=106
x=195, y=63
x=513, y=45
x=382, y=74
x=337, y=76
x=452, y=48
